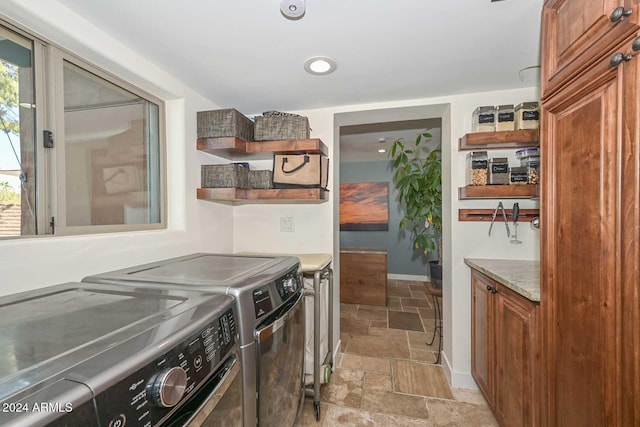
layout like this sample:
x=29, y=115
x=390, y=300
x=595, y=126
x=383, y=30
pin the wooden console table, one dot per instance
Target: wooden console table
x=363, y=276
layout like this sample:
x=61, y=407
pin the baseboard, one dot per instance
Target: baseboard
x=415, y=278
x=336, y=353
x=446, y=366
x=457, y=379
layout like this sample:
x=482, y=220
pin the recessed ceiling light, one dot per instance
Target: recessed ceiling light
x=382, y=150
x=382, y=140
x=320, y=65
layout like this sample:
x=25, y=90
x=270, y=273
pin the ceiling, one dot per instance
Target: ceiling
x=246, y=55
x=360, y=143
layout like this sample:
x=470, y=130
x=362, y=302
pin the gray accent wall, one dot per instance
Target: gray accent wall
x=400, y=257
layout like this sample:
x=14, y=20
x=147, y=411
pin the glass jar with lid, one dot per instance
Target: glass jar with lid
x=526, y=152
x=518, y=175
x=484, y=119
x=527, y=116
x=477, y=168
x=532, y=163
x=499, y=171
x=530, y=159
x=505, y=115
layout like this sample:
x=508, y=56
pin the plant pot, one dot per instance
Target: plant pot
x=435, y=272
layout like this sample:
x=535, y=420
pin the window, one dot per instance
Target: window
x=87, y=160
x=17, y=126
x=111, y=158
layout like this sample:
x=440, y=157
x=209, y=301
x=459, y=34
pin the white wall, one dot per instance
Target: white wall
x=470, y=239
x=256, y=227
x=196, y=225
x=30, y=263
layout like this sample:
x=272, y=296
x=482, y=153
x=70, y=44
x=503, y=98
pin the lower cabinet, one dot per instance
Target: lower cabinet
x=505, y=351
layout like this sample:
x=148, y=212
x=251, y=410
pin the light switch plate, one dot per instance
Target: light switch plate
x=287, y=224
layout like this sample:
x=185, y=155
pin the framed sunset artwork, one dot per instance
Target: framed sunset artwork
x=364, y=206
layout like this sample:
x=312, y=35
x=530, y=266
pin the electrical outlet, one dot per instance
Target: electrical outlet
x=287, y=224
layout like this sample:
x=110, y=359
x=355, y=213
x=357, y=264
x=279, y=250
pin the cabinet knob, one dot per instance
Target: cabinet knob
x=494, y=291
x=489, y=288
x=619, y=13
x=619, y=57
x=636, y=44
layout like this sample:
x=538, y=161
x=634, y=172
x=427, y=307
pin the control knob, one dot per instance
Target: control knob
x=289, y=285
x=167, y=387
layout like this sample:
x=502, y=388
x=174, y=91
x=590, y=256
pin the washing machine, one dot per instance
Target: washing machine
x=89, y=355
x=268, y=294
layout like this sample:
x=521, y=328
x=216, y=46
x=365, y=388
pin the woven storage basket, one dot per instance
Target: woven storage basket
x=261, y=179
x=221, y=123
x=224, y=176
x=268, y=128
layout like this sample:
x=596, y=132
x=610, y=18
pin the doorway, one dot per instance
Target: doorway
x=374, y=123
x=361, y=167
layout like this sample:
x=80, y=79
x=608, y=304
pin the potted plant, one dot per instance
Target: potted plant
x=419, y=184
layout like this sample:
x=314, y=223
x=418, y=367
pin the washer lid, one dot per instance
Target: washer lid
x=202, y=269
x=47, y=331
x=209, y=269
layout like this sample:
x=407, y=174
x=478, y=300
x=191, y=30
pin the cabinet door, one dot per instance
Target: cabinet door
x=576, y=33
x=630, y=242
x=482, y=334
x=581, y=148
x=516, y=349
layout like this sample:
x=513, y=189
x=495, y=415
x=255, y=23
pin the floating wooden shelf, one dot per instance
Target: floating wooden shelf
x=525, y=215
x=497, y=191
x=235, y=148
x=499, y=140
x=240, y=196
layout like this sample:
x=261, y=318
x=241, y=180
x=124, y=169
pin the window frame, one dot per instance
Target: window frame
x=48, y=64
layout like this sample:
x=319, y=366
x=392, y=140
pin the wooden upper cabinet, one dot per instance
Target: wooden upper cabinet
x=581, y=139
x=577, y=32
x=590, y=205
x=630, y=242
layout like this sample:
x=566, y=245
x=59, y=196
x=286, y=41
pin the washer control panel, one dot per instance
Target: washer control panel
x=147, y=396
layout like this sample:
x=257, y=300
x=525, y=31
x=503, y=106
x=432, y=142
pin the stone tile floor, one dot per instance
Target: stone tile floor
x=386, y=375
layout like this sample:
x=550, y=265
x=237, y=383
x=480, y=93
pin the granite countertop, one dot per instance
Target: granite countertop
x=520, y=276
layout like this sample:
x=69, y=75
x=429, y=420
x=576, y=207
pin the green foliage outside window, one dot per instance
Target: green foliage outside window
x=9, y=98
x=7, y=195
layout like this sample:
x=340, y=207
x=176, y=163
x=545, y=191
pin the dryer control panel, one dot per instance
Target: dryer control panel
x=288, y=285
x=270, y=296
x=262, y=303
x=150, y=394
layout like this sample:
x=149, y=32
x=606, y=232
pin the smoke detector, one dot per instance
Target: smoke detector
x=292, y=9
